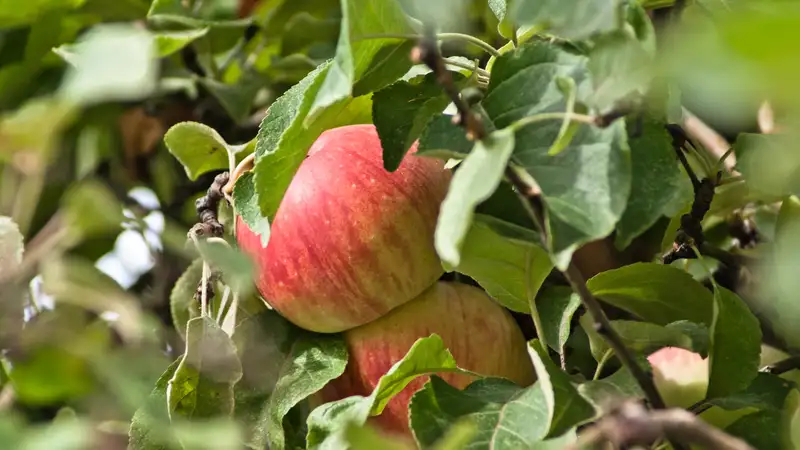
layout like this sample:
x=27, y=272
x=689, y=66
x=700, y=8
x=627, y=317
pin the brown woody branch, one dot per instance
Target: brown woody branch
x=632, y=424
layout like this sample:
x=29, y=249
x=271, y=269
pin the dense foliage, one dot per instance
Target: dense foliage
x=624, y=186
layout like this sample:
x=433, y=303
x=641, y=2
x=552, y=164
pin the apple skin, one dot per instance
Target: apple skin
x=681, y=378
x=350, y=240
x=481, y=335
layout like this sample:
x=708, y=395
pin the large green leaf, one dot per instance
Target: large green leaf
x=402, y=110
x=658, y=188
x=327, y=423
x=566, y=407
x=762, y=430
x=735, y=345
x=364, y=60
x=655, y=292
x=585, y=187
x=444, y=139
x=571, y=19
x=312, y=362
x=202, y=386
x=283, y=140
x=509, y=268
x=476, y=180
x=769, y=162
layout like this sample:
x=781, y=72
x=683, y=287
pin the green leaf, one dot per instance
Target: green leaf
x=238, y=269
x=443, y=139
x=402, y=110
x=763, y=429
x=359, y=437
x=477, y=178
x=774, y=299
x=283, y=140
x=180, y=13
x=181, y=299
x=149, y=428
x=438, y=406
x=313, y=361
x=15, y=14
x=767, y=391
x=697, y=332
x=735, y=346
x=91, y=209
x=264, y=342
x=621, y=67
x=245, y=197
x=604, y=394
x=11, y=246
x=586, y=186
x=236, y=98
x=556, y=307
x=365, y=62
x=654, y=292
x=111, y=62
x=169, y=42
x=645, y=337
x=566, y=407
x=326, y=423
x=659, y=188
x=198, y=147
x=769, y=163
x=510, y=269
x=202, y=386
x=569, y=19
x=506, y=27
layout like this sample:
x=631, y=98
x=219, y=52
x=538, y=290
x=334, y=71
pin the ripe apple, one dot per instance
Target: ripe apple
x=350, y=240
x=481, y=335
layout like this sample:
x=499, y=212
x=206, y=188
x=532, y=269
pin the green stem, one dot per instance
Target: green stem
x=537, y=319
x=525, y=121
x=462, y=65
x=441, y=36
x=602, y=363
x=471, y=39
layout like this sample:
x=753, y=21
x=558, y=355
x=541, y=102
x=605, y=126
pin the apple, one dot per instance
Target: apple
x=681, y=378
x=482, y=336
x=350, y=240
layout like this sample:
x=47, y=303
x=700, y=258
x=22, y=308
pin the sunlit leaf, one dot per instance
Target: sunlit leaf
x=657, y=293
x=169, y=42
x=477, y=178
x=245, y=197
x=202, y=386
x=364, y=60
x=283, y=140
x=510, y=269
x=401, y=111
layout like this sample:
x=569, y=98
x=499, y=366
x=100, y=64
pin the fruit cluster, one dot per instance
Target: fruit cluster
x=351, y=250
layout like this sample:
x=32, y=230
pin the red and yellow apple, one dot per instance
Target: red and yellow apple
x=481, y=335
x=350, y=240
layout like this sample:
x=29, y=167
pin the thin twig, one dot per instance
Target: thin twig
x=631, y=424
x=783, y=366
x=427, y=51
